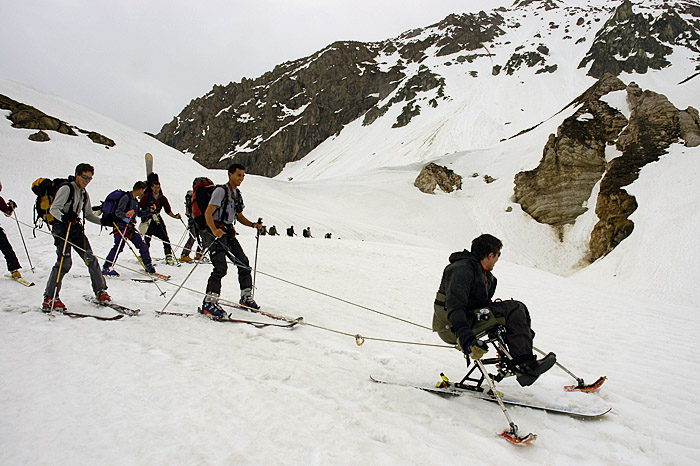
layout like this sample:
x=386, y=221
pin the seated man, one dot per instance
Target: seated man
x=468, y=286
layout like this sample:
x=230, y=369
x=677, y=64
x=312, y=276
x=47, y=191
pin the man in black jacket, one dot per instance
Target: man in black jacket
x=467, y=287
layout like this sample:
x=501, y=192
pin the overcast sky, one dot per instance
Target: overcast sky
x=141, y=61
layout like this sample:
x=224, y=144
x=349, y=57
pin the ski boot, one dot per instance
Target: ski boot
x=109, y=272
x=531, y=370
x=169, y=260
x=58, y=305
x=103, y=297
x=248, y=301
x=16, y=274
x=150, y=269
x=214, y=310
x=186, y=259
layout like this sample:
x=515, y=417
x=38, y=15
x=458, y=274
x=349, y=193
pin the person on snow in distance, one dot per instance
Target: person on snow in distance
x=72, y=200
x=126, y=212
x=468, y=286
x=5, y=246
x=224, y=209
x=273, y=231
x=152, y=224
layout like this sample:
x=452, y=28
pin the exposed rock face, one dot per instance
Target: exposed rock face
x=27, y=117
x=634, y=42
x=654, y=125
x=433, y=175
x=556, y=191
x=284, y=114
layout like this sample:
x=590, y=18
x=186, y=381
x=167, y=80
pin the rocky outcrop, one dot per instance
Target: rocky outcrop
x=27, y=117
x=573, y=161
x=557, y=191
x=635, y=42
x=433, y=175
x=654, y=124
x=39, y=136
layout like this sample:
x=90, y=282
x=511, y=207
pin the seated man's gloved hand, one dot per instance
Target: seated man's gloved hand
x=478, y=349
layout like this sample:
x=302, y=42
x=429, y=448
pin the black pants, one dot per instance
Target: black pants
x=156, y=228
x=8, y=252
x=519, y=335
x=226, y=246
x=79, y=242
x=191, y=236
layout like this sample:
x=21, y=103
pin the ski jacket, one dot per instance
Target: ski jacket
x=465, y=287
x=80, y=203
x=126, y=203
x=161, y=202
x=4, y=207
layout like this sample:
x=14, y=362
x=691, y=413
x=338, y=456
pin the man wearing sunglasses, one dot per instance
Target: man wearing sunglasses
x=70, y=202
x=467, y=288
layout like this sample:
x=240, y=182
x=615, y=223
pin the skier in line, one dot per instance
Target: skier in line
x=193, y=232
x=224, y=209
x=468, y=286
x=290, y=231
x=5, y=246
x=66, y=210
x=152, y=224
x=307, y=232
x=273, y=231
x=125, y=213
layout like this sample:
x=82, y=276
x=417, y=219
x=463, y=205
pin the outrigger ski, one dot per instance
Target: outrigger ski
x=117, y=307
x=452, y=390
x=21, y=281
x=232, y=319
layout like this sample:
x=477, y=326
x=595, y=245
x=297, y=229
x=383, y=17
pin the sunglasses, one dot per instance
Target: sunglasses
x=85, y=177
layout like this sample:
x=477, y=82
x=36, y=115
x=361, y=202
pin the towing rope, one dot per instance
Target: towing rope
x=359, y=339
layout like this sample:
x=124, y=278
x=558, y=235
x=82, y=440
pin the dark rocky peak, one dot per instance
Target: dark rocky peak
x=637, y=38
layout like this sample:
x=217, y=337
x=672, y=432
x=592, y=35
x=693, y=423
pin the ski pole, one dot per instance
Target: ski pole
x=121, y=242
x=162, y=293
x=513, y=427
x=60, y=266
x=23, y=242
x=255, y=267
x=188, y=275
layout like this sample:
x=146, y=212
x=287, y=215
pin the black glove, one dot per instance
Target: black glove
x=70, y=217
x=11, y=205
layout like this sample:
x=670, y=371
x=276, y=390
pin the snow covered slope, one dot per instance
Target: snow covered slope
x=164, y=390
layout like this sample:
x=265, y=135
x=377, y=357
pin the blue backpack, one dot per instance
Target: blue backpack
x=109, y=208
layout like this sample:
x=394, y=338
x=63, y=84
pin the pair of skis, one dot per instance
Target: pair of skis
x=283, y=322
x=121, y=310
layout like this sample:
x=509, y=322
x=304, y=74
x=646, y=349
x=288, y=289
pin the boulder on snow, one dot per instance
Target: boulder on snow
x=433, y=175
